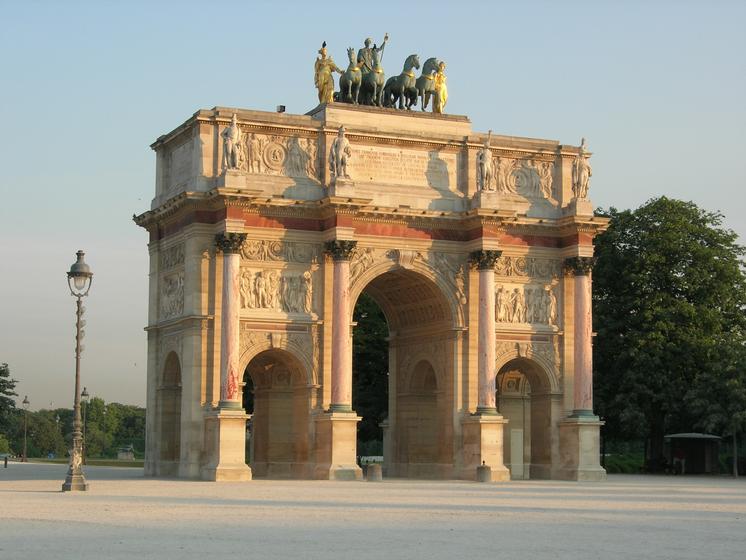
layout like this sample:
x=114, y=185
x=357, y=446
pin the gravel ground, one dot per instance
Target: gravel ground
x=127, y=516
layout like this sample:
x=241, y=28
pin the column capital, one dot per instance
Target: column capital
x=340, y=249
x=484, y=259
x=229, y=242
x=579, y=266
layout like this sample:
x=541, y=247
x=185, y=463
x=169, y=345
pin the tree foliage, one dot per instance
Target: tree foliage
x=370, y=369
x=7, y=392
x=669, y=301
x=107, y=427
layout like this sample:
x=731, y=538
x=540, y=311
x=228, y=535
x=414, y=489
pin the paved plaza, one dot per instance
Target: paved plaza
x=127, y=516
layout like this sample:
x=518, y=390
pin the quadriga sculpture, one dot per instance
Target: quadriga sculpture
x=403, y=88
x=426, y=82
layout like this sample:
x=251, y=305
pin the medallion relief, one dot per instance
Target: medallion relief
x=279, y=155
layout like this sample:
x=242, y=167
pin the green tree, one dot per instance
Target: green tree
x=7, y=392
x=370, y=381
x=718, y=396
x=4, y=444
x=668, y=287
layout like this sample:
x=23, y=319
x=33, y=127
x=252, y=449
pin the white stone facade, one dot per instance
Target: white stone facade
x=486, y=292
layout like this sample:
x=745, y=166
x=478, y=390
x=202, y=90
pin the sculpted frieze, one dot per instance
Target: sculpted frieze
x=526, y=304
x=526, y=177
x=288, y=291
x=280, y=155
x=172, y=295
x=172, y=257
x=531, y=267
x=263, y=250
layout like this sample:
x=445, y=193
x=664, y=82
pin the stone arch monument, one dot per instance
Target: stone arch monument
x=477, y=247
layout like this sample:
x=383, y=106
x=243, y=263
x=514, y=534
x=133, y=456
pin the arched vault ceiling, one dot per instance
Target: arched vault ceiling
x=409, y=300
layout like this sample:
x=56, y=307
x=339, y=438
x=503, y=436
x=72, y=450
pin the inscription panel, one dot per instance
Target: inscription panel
x=394, y=166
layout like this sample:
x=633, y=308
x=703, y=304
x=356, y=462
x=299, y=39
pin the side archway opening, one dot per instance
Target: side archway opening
x=277, y=396
x=524, y=399
x=169, y=417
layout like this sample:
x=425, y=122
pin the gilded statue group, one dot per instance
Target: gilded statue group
x=364, y=82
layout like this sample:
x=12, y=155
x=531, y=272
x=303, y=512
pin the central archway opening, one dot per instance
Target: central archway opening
x=403, y=373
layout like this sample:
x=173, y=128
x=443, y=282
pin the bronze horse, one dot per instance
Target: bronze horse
x=402, y=87
x=426, y=82
x=372, y=86
x=350, y=80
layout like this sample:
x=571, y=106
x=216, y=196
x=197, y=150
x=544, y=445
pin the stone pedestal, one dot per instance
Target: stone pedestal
x=485, y=199
x=336, y=446
x=483, y=443
x=579, y=207
x=232, y=179
x=225, y=439
x=342, y=187
x=579, y=449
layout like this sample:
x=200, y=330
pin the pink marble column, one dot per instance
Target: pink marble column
x=230, y=377
x=485, y=263
x=340, y=252
x=583, y=347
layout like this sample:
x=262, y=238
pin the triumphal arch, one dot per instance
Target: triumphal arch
x=267, y=227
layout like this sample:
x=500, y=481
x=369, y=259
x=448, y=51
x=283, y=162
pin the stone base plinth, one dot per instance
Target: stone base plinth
x=485, y=199
x=232, y=179
x=75, y=483
x=579, y=449
x=342, y=187
x=336, y=446
x=579, y=207
x=483, y=445
x=225, y=441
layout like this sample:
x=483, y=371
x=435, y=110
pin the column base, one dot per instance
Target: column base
x=579, y=449
x=483, y=446
x=225, y=440
x=336, y=446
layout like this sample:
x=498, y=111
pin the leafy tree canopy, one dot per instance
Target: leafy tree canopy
x=669, y=302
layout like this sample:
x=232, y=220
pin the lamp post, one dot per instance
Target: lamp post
x=25, y=426
x=79, y=280
x=84, y=398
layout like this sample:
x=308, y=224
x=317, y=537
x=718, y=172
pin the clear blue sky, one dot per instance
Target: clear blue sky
x=658, y=88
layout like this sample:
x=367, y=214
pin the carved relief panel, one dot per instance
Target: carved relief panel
x=278, y=276
x=525, y=177
x=171, y=296
x=526, y=303
x=280, y=155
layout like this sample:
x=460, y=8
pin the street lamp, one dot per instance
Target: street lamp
x=25, y=426
x=84, y=398
x=79, y=280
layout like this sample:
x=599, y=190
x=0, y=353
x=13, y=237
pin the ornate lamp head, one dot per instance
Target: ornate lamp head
x=80, y=276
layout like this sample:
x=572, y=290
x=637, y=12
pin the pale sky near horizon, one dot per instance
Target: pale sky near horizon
x=658, y=89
